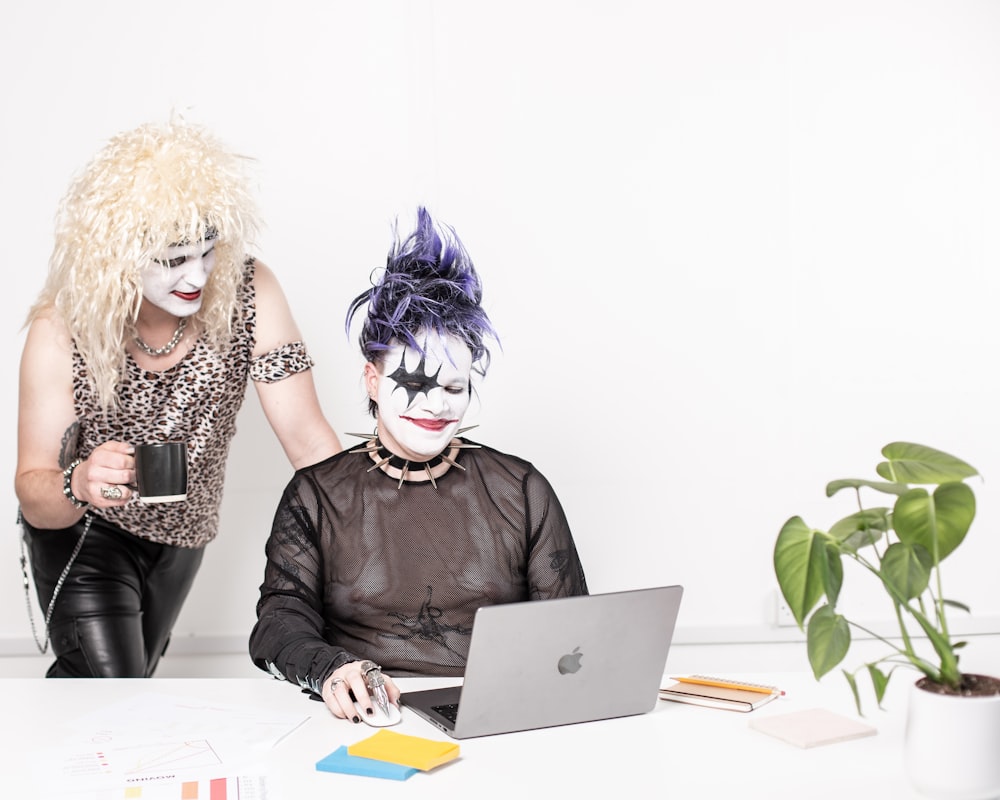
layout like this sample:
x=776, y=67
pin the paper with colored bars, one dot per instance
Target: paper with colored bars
x=154, y=746
x=210, y=786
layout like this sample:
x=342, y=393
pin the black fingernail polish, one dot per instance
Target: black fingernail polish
x=356, y=718
x=369, y=711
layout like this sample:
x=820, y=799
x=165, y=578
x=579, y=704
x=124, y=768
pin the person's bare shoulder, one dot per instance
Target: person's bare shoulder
x=48, y=335
x=264, y=278
x=275, y=324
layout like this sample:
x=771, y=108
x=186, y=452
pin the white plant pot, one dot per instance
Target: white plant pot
x=952, y=745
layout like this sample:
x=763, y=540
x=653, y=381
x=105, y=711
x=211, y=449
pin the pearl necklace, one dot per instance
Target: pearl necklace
x=169, y=346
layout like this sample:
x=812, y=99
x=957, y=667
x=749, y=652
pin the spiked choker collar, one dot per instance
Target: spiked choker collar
x=374, y=449
x=385, y=457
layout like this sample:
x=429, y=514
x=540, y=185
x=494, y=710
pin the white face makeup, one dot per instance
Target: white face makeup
x=174, y=282
x=422, y=398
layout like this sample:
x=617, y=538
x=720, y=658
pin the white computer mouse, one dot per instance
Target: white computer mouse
x=379, y=719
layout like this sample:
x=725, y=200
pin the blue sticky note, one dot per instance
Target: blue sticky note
x=342, y=761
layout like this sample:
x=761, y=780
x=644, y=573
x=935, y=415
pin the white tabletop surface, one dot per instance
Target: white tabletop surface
x=675, y=751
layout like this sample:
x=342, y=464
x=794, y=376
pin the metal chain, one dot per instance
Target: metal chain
x=169, y=346
x=43, y=648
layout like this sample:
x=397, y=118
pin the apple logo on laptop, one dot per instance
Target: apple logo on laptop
x=570, y=662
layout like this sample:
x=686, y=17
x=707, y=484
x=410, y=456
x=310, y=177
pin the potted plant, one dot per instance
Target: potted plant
x=903, y=547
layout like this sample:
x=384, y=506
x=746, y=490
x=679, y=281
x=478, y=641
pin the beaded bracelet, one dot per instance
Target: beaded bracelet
x=67, y=480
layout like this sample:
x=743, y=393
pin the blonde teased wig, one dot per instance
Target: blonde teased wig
x=147, y=189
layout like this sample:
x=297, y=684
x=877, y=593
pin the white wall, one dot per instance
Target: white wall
x=732, y=247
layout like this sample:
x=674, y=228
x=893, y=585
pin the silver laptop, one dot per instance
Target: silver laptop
x=556, y=662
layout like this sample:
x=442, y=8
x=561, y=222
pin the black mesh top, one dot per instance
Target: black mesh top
x=361, y=567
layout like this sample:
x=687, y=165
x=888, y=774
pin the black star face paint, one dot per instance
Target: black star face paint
x=423, y=397
x=413, y=383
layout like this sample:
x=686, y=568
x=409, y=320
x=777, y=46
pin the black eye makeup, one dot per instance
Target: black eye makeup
x=171, y=263
x=419, y=382
x=176, y=262
x=413, y=383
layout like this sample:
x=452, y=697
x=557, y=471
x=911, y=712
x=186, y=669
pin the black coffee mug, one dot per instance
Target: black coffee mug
x=161, y=471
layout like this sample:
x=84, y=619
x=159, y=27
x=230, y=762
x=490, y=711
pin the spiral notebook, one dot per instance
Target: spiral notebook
x=555, y=662
x=730, y=698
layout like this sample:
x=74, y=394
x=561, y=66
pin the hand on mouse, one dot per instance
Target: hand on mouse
x=346, y=694
x=380, y=718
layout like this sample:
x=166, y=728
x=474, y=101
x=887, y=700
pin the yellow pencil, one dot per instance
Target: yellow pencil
x=704, y=680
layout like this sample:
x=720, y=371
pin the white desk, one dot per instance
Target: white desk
x=675, y=751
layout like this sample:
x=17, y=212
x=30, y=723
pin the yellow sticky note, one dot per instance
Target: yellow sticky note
x=410, y=751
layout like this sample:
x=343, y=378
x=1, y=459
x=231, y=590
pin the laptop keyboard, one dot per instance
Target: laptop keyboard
x=449, y=711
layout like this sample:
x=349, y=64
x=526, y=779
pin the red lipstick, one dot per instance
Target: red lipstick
x=431, y=424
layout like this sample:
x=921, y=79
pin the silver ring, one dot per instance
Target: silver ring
x=335, y=683
x=111, y=493
x=372, y=673
x=367, y=666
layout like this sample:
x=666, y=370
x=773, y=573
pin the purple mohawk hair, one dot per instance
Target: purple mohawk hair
x=429, y=283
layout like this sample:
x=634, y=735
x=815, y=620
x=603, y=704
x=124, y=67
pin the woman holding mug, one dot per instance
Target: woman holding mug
x=151, y=322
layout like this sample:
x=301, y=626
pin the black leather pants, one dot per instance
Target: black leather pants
x=119, y=602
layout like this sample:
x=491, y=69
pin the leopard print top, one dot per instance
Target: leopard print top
x=197, y=401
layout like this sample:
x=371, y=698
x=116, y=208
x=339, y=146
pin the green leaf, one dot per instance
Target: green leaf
x=906, y=570
x=792, y=558
x=828, y=639
x=831, y=571
x=853, y=683
x=955, y=507
x=856, y=483
x=915, y=463
x=947, y=672
x=879, y=682
x=861, y=528
x=799, y=553
x=940, y=522
x=956, y=604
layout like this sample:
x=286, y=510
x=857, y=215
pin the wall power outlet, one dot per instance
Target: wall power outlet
x=783, y=617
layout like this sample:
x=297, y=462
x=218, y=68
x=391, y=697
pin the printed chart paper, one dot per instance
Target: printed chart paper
x=155, y=746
